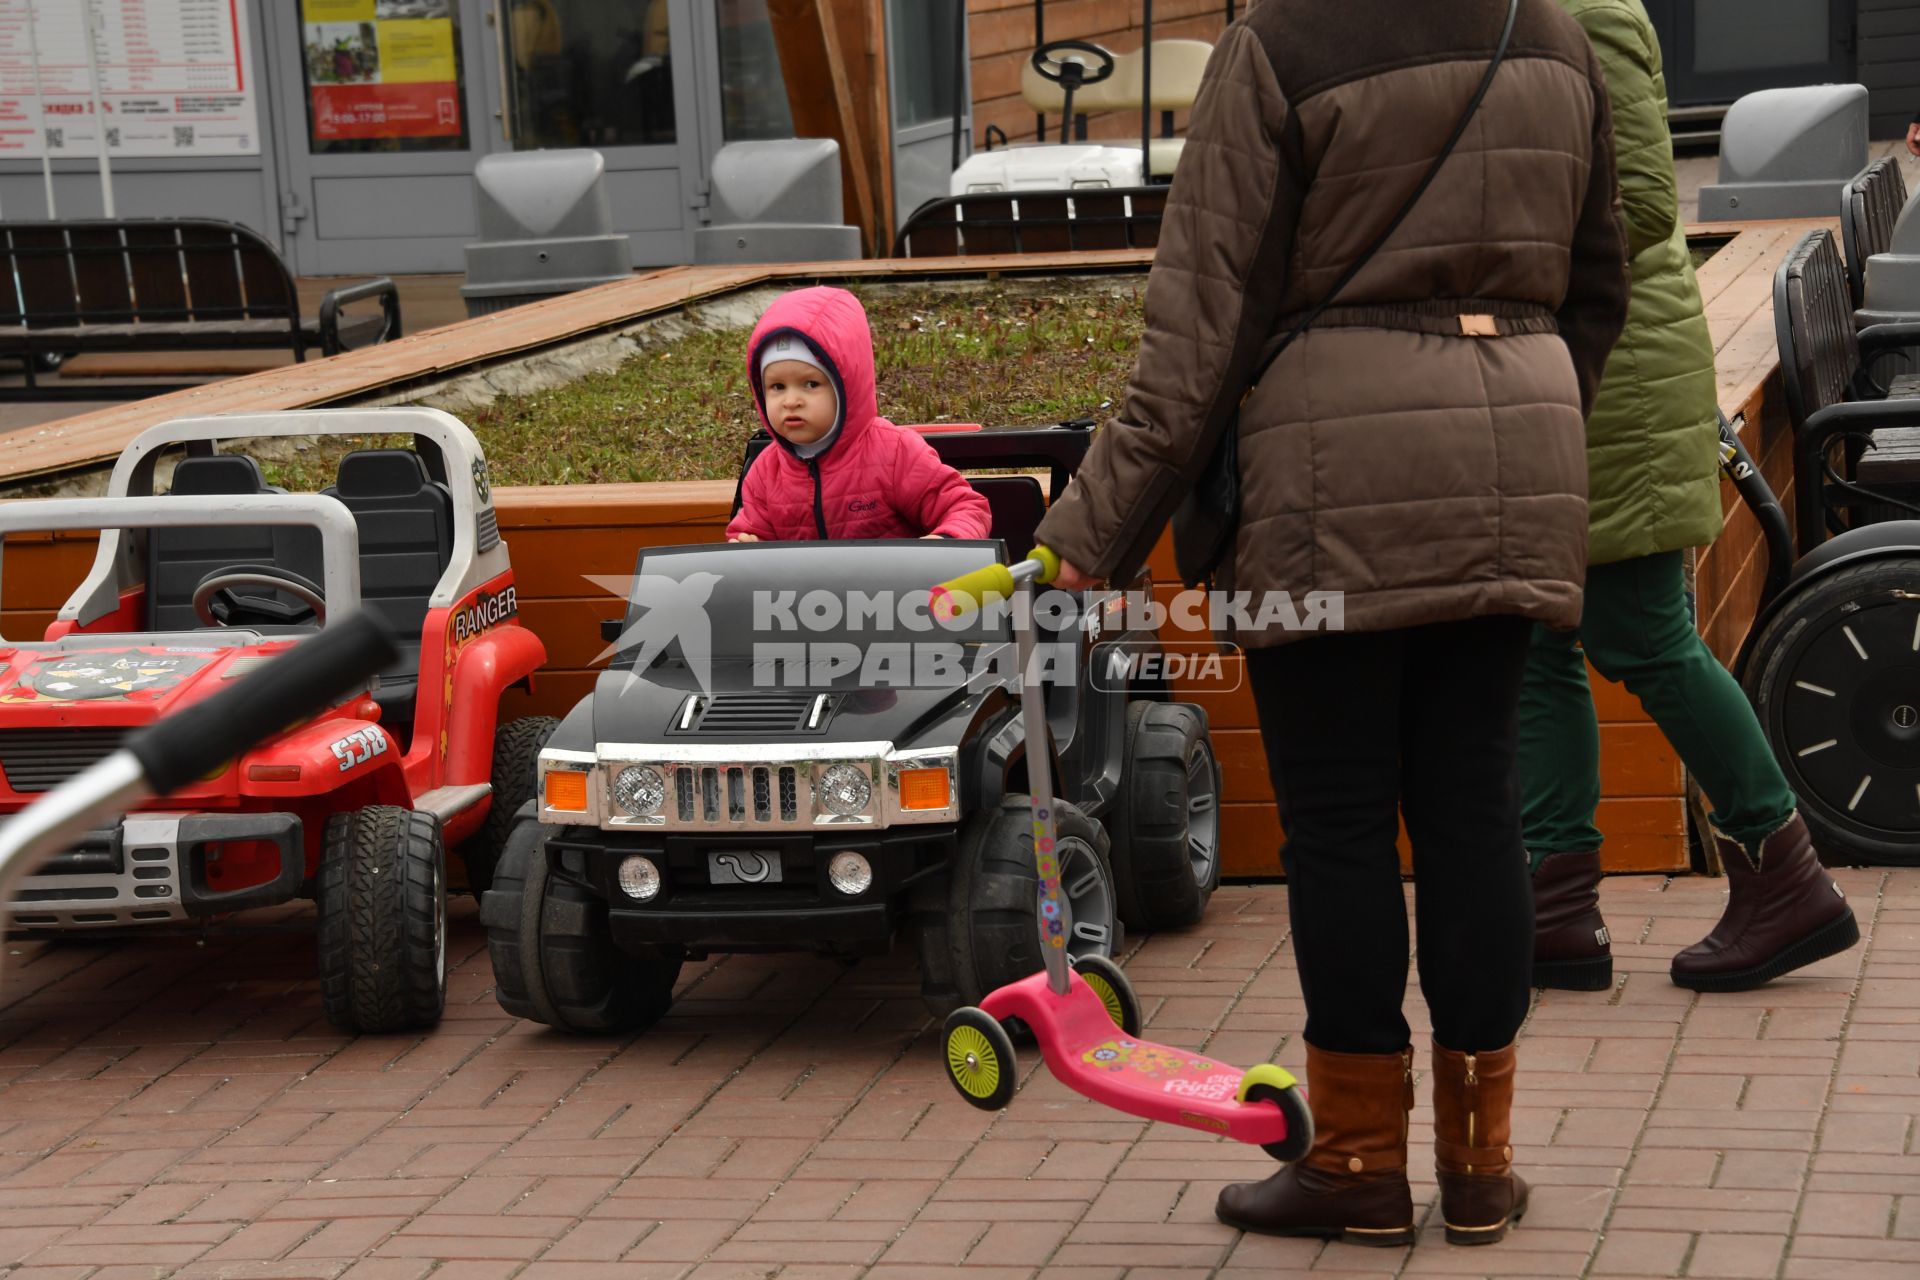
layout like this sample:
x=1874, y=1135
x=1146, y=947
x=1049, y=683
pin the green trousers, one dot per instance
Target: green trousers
x=1635, y=630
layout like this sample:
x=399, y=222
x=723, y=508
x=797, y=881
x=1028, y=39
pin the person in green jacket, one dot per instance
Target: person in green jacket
x=1653, y=491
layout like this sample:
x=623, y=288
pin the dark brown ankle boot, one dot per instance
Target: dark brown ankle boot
x=1480, y=1195
x=1571, y=949
x=1783, y=911
x=1353, y=1184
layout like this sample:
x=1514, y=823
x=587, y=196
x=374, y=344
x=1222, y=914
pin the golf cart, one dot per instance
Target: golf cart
x=193, y=587
x=742, y=780
x=1069, y=193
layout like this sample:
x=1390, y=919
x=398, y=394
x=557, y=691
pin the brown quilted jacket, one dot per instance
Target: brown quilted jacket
x=1389, y=454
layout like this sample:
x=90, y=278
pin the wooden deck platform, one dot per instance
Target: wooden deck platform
x=559, y=536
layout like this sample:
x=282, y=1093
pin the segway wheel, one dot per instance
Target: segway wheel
x=1268, y=1083
x=980, y=1058
x=1115, y=992
x=1835, y=679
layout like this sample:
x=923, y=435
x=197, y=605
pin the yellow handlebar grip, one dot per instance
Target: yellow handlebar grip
x=969, y=591
x=1049, y=559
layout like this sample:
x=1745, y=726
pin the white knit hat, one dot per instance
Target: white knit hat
x=786, y=347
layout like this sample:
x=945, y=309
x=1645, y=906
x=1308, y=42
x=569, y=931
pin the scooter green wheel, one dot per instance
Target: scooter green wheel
x=1115, y=992
x=980, y=1058
x=1268, y=1083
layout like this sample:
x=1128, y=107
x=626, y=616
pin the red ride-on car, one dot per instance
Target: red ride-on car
x=354, y=808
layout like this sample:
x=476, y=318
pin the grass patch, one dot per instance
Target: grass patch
x=999, y=354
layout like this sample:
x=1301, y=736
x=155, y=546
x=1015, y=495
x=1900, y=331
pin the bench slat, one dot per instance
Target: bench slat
x=100, y=273
x=213, y=273
x=38, y=256
x=153, y=257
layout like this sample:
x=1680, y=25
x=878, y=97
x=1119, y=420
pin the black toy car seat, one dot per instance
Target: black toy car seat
x=179, y=559
x=1018, y=503
x=406, y=539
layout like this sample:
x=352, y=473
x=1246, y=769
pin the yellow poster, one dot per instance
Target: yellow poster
x=416, y=50
x=338, y=10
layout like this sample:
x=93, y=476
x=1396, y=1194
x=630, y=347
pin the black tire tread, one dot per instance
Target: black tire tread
x=516, y=752
x=553, y=955
x=1765, y=679
x=382, y=908
x=1153, y=879
x=993, y=886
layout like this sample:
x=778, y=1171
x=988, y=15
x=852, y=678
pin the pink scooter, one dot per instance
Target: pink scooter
x=1084, y=1012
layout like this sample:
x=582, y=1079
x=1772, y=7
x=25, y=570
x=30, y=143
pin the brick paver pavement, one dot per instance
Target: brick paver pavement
x=169, y=1108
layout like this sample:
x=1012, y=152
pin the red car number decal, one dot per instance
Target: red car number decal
x=359, y=747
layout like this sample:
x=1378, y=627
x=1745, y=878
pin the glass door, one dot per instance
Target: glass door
x=619, y=79
x=1719, y=50
x=377, y=123
x=927, y=67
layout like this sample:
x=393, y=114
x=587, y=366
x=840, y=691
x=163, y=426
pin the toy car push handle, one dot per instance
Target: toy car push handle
x=970, y=591
x=192, y=742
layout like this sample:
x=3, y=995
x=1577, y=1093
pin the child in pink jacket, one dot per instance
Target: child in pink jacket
x=837, y=469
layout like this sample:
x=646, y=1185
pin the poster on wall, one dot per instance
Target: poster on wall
x=381, y=69
x=176, y=78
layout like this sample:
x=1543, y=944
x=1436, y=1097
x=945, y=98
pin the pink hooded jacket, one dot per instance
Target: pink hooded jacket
x=876, y=479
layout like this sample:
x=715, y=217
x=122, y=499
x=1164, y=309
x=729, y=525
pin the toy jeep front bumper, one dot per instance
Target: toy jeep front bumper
x=705, y=904
x=151, y=868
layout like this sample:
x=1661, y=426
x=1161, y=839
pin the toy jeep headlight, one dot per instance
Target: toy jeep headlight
x=640, y=790
x=844, y=790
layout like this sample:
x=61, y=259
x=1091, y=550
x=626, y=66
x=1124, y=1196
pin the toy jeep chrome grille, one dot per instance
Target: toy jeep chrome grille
x=737, y=793
x=684, y=786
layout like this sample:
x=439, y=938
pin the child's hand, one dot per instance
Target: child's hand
x=743, y=537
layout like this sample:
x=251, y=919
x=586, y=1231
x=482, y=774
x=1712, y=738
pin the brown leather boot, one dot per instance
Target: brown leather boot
x=1353, y=1184
x=1480, y=1195
x=1783, y=911
x=1571, y=948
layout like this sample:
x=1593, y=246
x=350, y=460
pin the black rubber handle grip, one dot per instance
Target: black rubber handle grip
x=314, y=674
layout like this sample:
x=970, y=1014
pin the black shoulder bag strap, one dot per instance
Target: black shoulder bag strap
x=1204, y=523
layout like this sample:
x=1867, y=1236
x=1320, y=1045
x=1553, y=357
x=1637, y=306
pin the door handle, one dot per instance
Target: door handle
x=497, y=19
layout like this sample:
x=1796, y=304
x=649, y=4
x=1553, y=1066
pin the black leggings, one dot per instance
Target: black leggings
x=1362, y=727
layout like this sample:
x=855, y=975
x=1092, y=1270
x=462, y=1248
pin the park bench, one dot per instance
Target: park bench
x=1856, y=440
x=162, y=284
x=1869, y=208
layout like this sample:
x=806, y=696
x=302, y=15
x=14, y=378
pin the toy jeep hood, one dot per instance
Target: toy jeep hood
x=812, y=642
x=117, y=681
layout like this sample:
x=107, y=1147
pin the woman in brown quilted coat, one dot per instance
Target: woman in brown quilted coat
x=1420, y=450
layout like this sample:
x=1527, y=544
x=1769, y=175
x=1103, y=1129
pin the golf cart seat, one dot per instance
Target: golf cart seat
x=179, y=559
x=1018, y=502
x=406, y=539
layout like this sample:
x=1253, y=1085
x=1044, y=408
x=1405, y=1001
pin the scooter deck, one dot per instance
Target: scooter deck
x=1093, y=1057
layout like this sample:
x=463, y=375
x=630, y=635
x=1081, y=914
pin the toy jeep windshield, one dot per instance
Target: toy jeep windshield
x=198, y=580
x=780, y=757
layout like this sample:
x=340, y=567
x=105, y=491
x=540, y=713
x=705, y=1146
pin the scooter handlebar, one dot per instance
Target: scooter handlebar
x=970, y=591
x=315, y=673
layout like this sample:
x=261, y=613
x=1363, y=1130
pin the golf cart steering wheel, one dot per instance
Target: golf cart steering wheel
x=1072, y=73
x=216, y=604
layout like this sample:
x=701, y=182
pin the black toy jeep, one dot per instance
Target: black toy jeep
x=786, y=753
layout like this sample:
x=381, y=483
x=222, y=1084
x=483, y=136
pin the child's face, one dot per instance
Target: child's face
x=801, y=404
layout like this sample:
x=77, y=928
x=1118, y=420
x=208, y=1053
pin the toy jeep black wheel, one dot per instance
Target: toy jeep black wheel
x=993, y=889
x=1166, y=823
x=516, y=752
x=382, y=894
x=554, y=958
